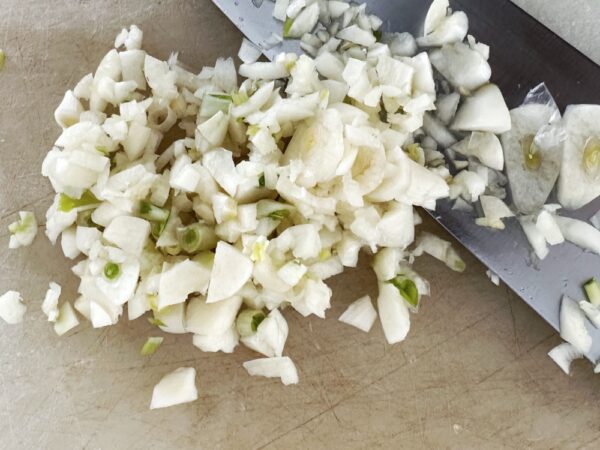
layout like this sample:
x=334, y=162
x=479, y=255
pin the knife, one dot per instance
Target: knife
x=523, y=54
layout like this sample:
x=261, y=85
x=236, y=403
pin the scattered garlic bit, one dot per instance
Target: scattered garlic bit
x=66, y=319
x=68, y=111
x=441, y=28
x=435, y=15
x=278, y=367
x=23, y=231
x=563, y=355
x=580, y=233
x=175, y=388
x=467, y=184
x=360, y=314
x=280, y=8
x=263, y=334
x=484, y=111
x=393, y=311
x=572, y=325
x=12, y=308
x=548, y=226
x=249, y=52
x=535, y=236
x=439, y=249
x=592, y=291
x=494, y=210
x=591, y=311
x=486, y=147
x=50, y=303
x=131, y=39
x=463, y=67
x=494, y=278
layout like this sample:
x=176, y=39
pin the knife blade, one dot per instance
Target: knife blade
x=523, y=53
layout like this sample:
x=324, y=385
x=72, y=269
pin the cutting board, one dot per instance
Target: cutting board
x=473, y=372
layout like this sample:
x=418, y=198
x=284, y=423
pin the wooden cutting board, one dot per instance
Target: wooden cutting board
x=472, y=374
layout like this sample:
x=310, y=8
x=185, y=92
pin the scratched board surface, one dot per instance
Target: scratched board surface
x=473, y=373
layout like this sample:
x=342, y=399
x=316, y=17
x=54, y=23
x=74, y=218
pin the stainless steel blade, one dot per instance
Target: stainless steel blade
x=506, y=253
x=257, y=24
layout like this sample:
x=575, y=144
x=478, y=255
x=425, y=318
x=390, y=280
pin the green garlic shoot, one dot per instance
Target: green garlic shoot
x=408, y=290
x=239, y=98
x=84, y=218
x=273, y=209
x=415, y=152
x=213, y=103
x=196, y=238
x=151, y=345
x=287, y=26
x=152, y=212
x=592, y=290
x=324, y=254
x=112, y=271
x=248, y=321
x=67, y=204
x=279, y=215
x=156, y=322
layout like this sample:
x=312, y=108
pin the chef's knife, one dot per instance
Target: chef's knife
x=523, y=54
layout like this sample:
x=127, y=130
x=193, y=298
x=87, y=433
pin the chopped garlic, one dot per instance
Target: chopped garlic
x=175, y=388
x=12, y=308
x=50, y=303
x=246, y=213
x=23, y=231
x=360, y=314
x=563, y=355
x=66, y=319
x=278, y=367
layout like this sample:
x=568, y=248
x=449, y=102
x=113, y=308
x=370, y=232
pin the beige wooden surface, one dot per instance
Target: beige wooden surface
x=472, y=374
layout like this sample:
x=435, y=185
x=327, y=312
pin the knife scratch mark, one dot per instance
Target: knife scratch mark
x=513, y=319
x=363, y=388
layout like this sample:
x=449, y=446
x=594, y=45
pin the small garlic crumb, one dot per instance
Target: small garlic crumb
x=493, y=277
